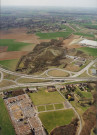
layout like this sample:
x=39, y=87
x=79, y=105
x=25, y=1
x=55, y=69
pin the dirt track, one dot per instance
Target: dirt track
x=12, y=55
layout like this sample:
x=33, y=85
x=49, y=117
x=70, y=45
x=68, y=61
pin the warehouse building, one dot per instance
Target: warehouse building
x=88, y=43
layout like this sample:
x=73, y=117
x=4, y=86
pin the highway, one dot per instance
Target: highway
x=52, y=81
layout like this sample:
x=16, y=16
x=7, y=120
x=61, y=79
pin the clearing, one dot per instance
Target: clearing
x=42, y=97
x=58, y=73
x=51, y=120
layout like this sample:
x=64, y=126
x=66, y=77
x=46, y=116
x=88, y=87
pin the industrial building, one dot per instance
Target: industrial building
x=88, y=43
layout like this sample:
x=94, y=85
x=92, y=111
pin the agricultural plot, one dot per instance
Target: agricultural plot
x=53, y=35
x=53, y=119
x=89, y=51
x=84, y=34
x=9, y=64
x=12, y=44
x=5, y=123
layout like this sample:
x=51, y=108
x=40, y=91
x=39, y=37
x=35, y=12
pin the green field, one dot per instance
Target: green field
x=53, y=119
x=89, y=51
x=42, y=97
x=53, y=35
x=83, y=94
x=49, y=107
x=12, y=44
x=59, y=106
x=67, y=28
x=5, y=123
x=84, y=34
x=9, y=64
x=41, y=108
x=87, y=94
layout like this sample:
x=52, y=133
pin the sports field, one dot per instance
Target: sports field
x=51, y=120
x=5, y=122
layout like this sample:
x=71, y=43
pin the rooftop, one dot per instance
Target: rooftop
x=89, y=42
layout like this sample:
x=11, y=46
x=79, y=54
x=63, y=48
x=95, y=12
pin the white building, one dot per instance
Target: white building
x=88, y=43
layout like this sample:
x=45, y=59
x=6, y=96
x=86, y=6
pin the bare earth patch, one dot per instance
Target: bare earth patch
x=12, y=55
x=20, y=34
x=3, y=48
x=71, y=42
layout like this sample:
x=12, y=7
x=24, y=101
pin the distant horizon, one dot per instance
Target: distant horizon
x=48, y=6
x=50, y=3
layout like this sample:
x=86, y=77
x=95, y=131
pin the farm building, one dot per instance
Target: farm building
x=88, y=43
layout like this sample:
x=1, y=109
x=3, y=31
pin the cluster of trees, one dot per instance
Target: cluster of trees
x=41, y=57
x=66, y=129
x=91, y=26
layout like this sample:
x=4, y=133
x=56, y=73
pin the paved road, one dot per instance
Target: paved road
x=1, y=77
x=58, y=69
x=86, y=68
x=80, y=128
x=53, y=80
x=39, y=76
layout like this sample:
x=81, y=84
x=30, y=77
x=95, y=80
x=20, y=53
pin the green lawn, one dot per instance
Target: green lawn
x=42, y=97
x=12, y=44
x=87, y=94
x=9, y=64
x=83, y=94
x=5, y=123
x=41, y=108
x=80, y=109
x=59, y=106
x=53, y=35
x=49, y=107
x=53, y=119
x=90, y=51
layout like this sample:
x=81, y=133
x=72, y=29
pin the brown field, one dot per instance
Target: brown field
x=3, y=48
x=67, y=42
x=72, y=68
x=12, y=55
x=58, y=73
x=20, y=34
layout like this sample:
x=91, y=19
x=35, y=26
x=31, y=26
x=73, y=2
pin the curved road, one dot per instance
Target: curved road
x=52, y=82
